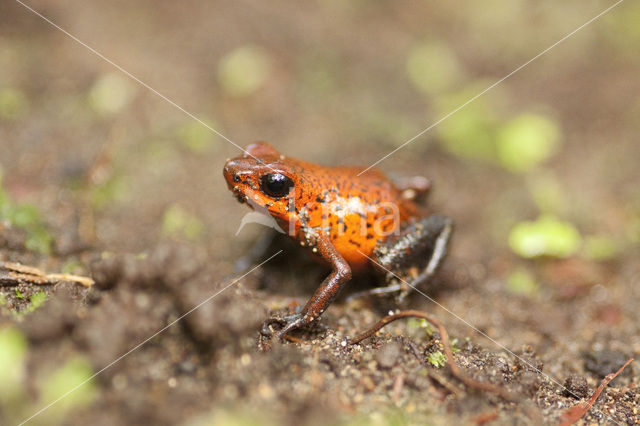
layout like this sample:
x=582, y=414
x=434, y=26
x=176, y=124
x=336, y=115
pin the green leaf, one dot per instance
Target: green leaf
x=244, y=70
x=527, y=140
x=546, y=236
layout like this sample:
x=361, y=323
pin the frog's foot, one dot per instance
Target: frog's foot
x=286, y=324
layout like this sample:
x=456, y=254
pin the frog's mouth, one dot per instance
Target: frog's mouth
x=243, y=198
x=240, y=196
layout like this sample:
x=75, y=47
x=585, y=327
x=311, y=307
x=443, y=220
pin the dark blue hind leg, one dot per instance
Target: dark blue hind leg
x=412, y=257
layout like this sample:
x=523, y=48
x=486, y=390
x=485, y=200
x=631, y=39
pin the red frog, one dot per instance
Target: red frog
x=351, y=221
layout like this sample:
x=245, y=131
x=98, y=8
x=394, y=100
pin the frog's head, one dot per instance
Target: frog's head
x=263, y=179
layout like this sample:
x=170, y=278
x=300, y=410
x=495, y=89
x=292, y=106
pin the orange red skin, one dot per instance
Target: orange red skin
x=354, y=211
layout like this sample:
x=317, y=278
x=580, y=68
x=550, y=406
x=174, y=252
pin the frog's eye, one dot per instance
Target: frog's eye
x=276, y=184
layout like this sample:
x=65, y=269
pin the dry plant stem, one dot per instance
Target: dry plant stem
x=15, y=273
x=576, y=412
x=444, y=336
x=293, y=339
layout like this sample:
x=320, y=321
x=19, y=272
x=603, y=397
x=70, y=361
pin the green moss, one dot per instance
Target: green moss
x=421, y=323
x=36, y=301
x=438, y=359
x=26, y=217
x=546, y=236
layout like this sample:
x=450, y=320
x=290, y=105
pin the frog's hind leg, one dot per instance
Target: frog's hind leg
x=412, y=257
x=392, y=289
x=440, y=228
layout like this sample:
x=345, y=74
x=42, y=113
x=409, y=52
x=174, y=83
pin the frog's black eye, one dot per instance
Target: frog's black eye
x=276, y=184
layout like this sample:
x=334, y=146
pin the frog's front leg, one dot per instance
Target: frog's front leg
x=325, y=293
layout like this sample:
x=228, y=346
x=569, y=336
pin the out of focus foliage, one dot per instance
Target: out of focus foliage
x=111, y=93
x=546, y=236
x=244, y=70
x=180, y=223
x=26, y=217
x=13, y=103
x=68, y=386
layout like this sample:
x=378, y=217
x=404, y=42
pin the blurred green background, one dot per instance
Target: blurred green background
x=540, y=173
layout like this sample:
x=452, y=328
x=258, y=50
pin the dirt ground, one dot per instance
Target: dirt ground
x=101, y=177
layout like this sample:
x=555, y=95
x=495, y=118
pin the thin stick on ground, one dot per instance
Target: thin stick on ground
x=12, y=273
x=576, y=412
x=446, y=343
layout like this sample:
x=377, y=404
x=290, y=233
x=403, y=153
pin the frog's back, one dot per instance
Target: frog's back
x=356, y=211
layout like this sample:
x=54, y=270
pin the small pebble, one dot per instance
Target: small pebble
x=576, y=386
x=388, y=355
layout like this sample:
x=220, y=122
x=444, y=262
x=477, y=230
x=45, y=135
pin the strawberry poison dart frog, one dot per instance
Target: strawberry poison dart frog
x=352, y=222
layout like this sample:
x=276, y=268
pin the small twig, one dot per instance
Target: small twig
x=15, y=273
x=576, y=412
x=84, y=281
x=293, y=339
x=444, y=336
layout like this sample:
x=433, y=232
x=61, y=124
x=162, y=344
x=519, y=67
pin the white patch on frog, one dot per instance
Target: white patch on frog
x=341, y=206
x=259, y=218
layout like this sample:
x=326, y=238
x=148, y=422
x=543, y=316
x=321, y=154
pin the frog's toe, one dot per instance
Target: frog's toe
x=292, y=322
x=283, y=325
x=271, y=326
